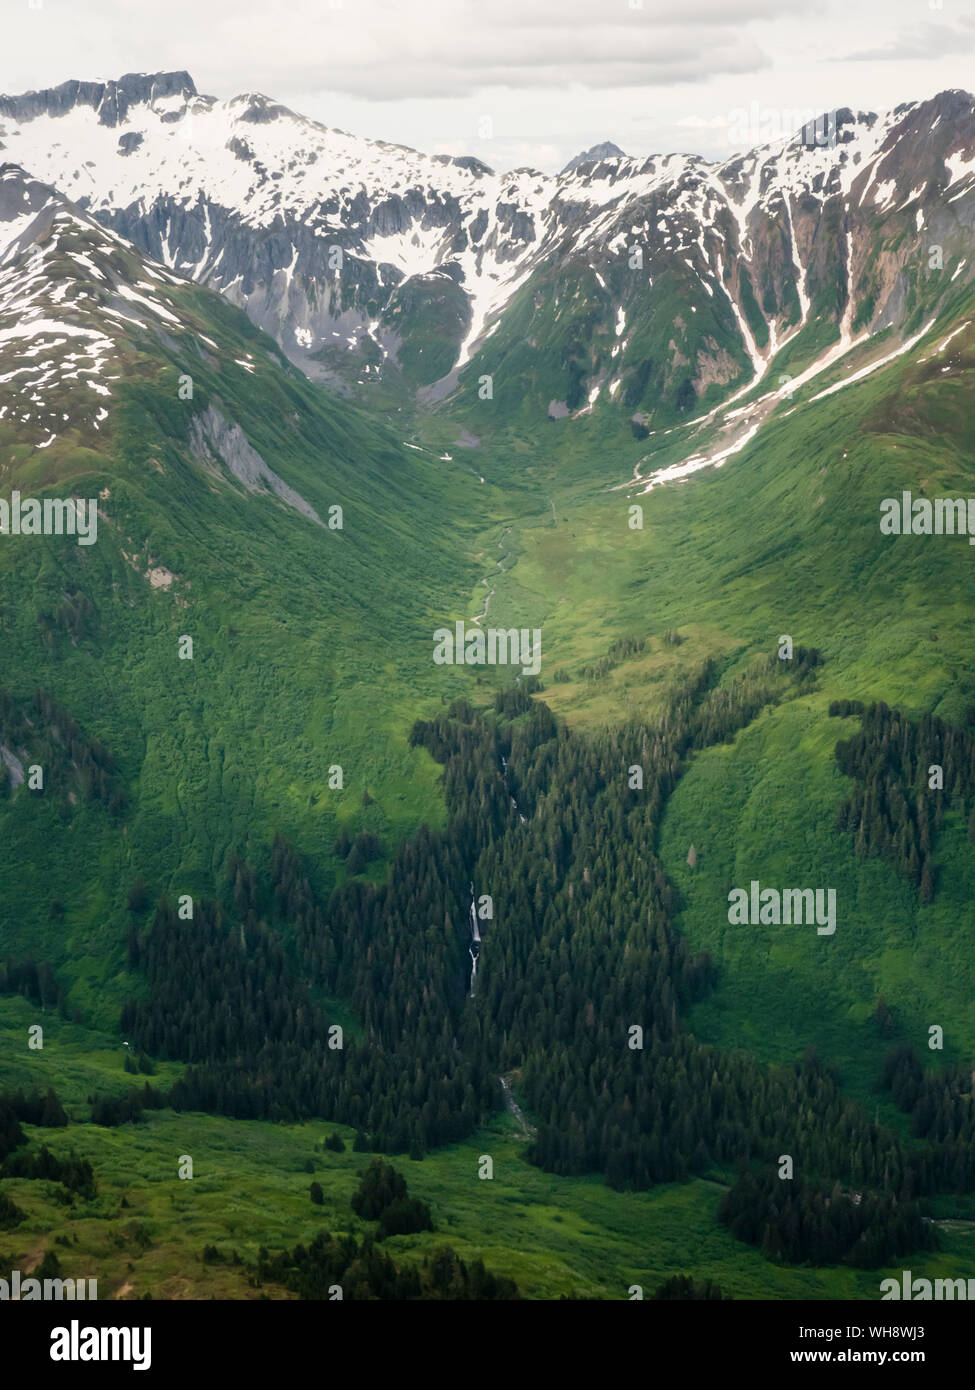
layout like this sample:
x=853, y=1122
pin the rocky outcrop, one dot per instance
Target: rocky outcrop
x=213, y=438
x=111, y=100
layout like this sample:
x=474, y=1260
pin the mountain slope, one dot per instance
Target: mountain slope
x=217, y=469
x=650, y=288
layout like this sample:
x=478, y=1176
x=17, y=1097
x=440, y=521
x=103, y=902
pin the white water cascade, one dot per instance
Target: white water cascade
x=475, y=945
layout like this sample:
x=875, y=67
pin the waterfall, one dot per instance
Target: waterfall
x=475, y=945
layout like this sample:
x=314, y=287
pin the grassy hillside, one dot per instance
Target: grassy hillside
x=311, y=646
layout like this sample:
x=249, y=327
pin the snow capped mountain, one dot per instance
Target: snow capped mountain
x=312, y=230
x=659, y=285
x=605, y=150
x=86, y=320
x=69, y=291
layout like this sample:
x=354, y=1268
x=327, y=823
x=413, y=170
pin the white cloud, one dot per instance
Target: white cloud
x=556, y=76
x=387, y=51
x=922, y=41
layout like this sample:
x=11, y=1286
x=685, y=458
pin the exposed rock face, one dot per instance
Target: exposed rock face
x=605, y=150
x=111, y=101
x=213, y=437
x=81, y=311
x=15, y=768
x=364, y=258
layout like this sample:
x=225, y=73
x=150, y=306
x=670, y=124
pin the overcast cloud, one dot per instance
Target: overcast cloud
x=551, y=76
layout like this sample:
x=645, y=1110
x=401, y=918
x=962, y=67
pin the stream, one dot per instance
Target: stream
x=500, y=566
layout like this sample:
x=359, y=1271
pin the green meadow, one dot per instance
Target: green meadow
x=250, y=1188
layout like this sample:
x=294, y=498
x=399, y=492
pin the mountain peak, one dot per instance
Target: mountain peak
x=111, y=99
x=257, y=109
x=605, y=150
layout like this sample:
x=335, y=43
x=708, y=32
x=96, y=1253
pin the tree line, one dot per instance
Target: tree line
x=580, y=948
x=74, y=763
x=893, y=811
x=344, y=1267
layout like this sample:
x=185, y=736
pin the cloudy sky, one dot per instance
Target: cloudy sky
x=516, y=81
